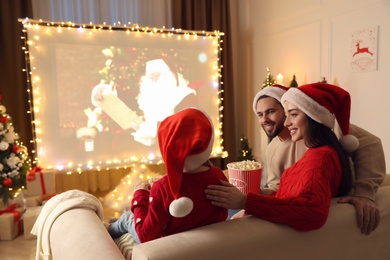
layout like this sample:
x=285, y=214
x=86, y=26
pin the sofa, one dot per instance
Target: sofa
x=78, y=233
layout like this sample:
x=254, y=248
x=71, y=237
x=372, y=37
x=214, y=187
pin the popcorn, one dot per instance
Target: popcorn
x=244, y=165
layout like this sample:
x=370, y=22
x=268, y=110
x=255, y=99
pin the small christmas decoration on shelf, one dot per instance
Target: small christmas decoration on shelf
x=14, y=161
x=293, y=83
x=269, y=81
x=246, y=152
x=324, y=80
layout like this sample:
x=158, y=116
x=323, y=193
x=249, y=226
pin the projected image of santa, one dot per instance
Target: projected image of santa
x=162, y=92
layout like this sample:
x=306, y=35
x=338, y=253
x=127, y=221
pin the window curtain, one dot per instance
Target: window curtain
x=12, y=62
x=213, y=15
x=156, y=13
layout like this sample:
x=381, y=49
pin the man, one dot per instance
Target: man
x=368, y=160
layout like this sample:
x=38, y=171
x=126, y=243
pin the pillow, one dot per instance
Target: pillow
x=125, y=244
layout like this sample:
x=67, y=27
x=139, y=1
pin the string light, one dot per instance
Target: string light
x=34, y=92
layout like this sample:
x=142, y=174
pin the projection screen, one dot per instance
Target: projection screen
x=98, y=93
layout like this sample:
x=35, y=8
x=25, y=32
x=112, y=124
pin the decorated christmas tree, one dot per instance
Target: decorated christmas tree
x=269, y=80
x=14, y=161
x=246, y=152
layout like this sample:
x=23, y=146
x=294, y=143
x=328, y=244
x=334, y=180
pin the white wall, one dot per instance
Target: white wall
x=311, y=39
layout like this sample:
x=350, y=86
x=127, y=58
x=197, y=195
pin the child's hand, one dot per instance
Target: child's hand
x=143, y=185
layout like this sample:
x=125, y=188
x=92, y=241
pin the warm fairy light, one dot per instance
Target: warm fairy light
x=91, y=29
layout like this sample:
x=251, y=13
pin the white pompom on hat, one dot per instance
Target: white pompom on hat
x=324, y=103
x=186, y=140
x=275, y=91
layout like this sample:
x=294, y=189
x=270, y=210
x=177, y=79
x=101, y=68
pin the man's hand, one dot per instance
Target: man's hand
x=367, y=213
x=226, y=195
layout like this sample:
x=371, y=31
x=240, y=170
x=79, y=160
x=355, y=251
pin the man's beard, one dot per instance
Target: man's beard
x=276, y=131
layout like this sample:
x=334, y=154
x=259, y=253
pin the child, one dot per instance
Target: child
x=176, y=202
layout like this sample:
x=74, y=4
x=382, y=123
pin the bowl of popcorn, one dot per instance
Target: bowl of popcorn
x=245, y=175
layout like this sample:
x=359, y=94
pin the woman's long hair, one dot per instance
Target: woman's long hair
x=319, y=135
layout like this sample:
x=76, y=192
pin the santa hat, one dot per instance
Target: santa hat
x=324, y=103
x=275, y=91
x=186, y=140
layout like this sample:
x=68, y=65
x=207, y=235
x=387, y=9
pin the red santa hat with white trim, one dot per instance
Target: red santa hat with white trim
x=324, y=103
x=275, y=91
x=186, y=139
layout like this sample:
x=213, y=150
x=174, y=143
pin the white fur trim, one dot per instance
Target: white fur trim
x=191, y=162
x=270, y=91
x=309, y=106
x=349, y=142
x=181, y=207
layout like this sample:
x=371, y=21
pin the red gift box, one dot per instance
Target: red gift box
x=10, y=222
x=40, y=182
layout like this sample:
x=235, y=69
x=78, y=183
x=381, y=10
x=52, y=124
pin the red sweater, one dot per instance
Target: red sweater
x=304, y=195
x=151, y=211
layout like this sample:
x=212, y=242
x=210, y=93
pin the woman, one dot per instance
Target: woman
x=306, y=188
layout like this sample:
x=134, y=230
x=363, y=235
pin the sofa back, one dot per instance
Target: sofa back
x=253, y=238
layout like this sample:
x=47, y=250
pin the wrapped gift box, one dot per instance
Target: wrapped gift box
x=40, y=182
x=9, y=203
x=34, y=201
x=10, y=222
x=24, y=200
x=29, y=218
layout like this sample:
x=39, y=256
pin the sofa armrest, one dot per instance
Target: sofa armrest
x=79, y=234
x=253, y=238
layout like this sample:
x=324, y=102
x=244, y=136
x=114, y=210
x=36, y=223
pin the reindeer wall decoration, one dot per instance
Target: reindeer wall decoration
x=364, y=49
x=361, y=50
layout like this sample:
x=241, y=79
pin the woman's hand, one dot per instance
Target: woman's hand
x=226, y=195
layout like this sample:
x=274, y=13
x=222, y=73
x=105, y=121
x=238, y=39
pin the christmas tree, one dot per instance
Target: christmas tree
x=246, y=152
x=14, y=161
x=294, y=83
x=269, y=80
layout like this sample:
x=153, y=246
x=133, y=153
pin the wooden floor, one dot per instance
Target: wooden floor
x=23, y=249
x=18, y=249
